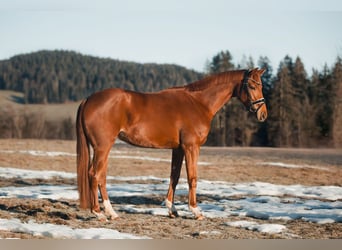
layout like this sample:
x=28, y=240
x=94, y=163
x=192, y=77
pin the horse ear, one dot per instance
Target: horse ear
x=254, y=70
x=262, y=71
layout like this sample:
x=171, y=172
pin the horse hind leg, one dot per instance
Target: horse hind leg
x=109, y=211
x=97, y=174
x=94, y=203
x=176, y=165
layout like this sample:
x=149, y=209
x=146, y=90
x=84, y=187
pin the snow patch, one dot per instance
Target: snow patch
x=62, y=231
x=39, y=153
x=116, y=154
x=34, y=174
x=40, y=192
x=253, y=226
x=266, y=201
x=287, y=165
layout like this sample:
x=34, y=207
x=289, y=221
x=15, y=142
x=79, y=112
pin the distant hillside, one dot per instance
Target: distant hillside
x=63, y=76
x=48, y=121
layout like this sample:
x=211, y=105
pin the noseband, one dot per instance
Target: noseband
x=245, y=86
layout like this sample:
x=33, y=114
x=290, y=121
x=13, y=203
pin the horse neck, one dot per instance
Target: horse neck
x=219, y=90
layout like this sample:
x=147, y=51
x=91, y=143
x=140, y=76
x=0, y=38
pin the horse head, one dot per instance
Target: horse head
x=251, y=93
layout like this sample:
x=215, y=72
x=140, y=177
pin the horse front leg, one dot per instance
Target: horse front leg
x=191, y=157
x=176, y=166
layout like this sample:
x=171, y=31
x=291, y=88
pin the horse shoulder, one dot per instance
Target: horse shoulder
x=196, y=119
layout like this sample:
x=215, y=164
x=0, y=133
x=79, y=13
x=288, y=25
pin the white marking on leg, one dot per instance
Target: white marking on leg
x=172, y=209
x=197, y=212
x=100, y=216
x=109, y=211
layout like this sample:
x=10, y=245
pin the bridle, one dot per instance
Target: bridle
x=245, y=86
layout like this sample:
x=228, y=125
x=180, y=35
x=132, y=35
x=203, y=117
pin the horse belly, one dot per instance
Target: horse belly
x=151, y=136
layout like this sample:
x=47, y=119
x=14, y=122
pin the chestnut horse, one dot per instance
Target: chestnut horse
x=177, y=118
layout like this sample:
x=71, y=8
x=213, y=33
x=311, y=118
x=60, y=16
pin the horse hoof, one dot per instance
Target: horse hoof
x=200, y=217
x=173, y=215
x=112, y=218
x=100, y=216
x=102, y=219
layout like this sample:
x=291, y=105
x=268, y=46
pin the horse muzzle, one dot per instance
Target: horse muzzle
x=259, y=108
x=261, y=112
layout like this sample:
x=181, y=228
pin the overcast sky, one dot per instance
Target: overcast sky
x=183, y=32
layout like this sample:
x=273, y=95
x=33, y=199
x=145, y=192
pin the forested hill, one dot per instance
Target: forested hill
x=62, y=76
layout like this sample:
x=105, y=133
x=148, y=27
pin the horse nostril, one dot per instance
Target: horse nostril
x=262, y=116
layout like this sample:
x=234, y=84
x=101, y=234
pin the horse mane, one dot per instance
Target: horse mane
x=212, y=80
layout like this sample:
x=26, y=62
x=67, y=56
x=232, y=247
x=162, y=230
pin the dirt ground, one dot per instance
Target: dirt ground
x=226, y=164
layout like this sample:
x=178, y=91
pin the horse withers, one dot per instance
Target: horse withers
x=176, y=118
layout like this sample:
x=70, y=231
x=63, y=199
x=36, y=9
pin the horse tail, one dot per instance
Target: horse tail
x=83, y=159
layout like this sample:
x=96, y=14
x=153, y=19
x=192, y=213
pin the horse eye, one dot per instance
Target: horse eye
x=251, y=87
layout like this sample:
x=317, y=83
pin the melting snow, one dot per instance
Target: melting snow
x=114, y=154
x=287, y=165
x=39, y=153
x=319, y=204
x=61, y=231
x=33, y=174
x=263, y=228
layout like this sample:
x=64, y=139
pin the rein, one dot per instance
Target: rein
x=245, y=86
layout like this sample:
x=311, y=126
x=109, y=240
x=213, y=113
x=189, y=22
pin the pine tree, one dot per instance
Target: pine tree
x=221, y=62
x=218, y=133
x=281, y=102
x=322, y=97
x=301, y=119
x=290, y=122
x=232, y=125
x=337, y=108
x=60, y=76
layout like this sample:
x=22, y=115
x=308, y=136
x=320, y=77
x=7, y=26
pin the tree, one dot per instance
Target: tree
x=301, y=124
x=267, y=77
x=322, y=102
x=246, y=63
x=337, y=108
x=61, y=76
x=218, y=133
x=232, y=125
x=221, y=62
x=281, y=106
